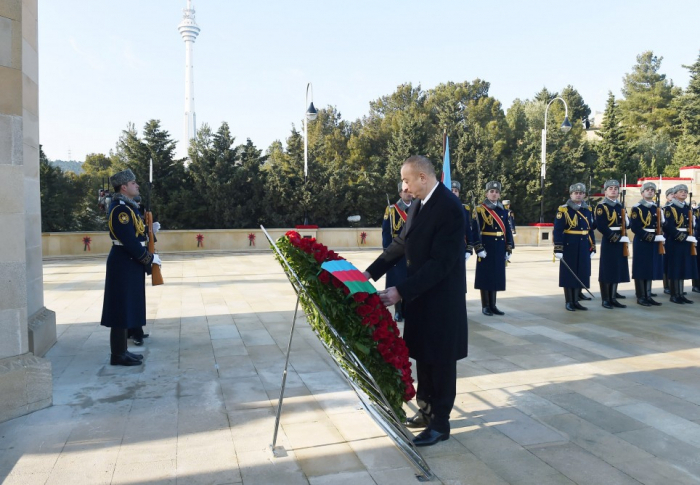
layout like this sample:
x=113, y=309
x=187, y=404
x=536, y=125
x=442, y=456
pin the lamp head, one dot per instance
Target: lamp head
x=566, y=125
x=312, y=112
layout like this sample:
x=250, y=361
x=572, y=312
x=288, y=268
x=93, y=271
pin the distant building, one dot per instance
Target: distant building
x=189, y=31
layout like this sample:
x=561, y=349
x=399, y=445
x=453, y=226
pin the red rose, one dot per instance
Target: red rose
x=366, y=321
x=360, y=296
x=346, y=290
x=336, y=282
x=363, y=310
x=373, y=318
x=325, y=277
x=374, y=299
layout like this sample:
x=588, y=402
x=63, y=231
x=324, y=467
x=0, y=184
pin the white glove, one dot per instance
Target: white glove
x=624, y=239
x=481, y=254
x=515, y=235
x=592, y=254
x=156, y=260
x=508, y=255
x=156, y=227
x=558, y=255
x=659, y=238
x=467, y=256
x=627, y=219
x=691, y=239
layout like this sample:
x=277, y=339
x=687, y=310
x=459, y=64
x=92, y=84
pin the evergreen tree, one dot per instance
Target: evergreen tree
x=688, y=105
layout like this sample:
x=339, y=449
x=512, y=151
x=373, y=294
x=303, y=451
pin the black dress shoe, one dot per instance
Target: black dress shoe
x=653, y=302
x=607, y=304
x=123, y=359
x=643, y=302
x=578, y=306
x=146, y=335
x=570, y=307
x=420, y=420
x=685, y=300
x=134, y=356
x=666, y=291
x=619, y=296
x=617, y=304
x=496, y=311
x=486, y=311
x=653, y=294
x=138, y=341
x=583, y=297
x=429, y=437
x=696, y=289
x=676, y=299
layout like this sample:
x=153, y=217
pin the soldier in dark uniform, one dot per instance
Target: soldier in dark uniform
x=574, y=243
x=680, y=244
x=647, y=263
x=614, y=268
x=511, y=217
x=468, y=238
x=669, y=200
x=493, y=244
x=696, y=213
x=127, y=265
x=394, y=220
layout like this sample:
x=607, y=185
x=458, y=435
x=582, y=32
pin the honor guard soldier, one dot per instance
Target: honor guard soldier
x=574, y=244
x=493, y=243
x=647, y=260
x=394, y=220
x=511, y=217
x=669, y=199
x=128, y=263
x=468, y=238
x=613, y=268
x=680, y=244
x=696, y=213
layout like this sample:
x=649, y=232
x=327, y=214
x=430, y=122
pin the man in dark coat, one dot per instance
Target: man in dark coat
x=613, y=267
x=647, y=262
x=394, y=221
x=574, y=243
x=493, y=243
x=436, y=314
x=680, y=244
x=127, y=265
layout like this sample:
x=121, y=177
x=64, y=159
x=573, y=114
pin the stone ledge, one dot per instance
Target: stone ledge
x=25, y=385
x=42, y=331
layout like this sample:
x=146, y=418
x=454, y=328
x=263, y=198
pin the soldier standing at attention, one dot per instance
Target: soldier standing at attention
x=468, y=238
x=680, y=244
x=669, y=199
x=511, y=217
x=647, y=263
x=574, y=243
x=614, y=268
x=493, y=243
x=127, y=265
x=394, y=219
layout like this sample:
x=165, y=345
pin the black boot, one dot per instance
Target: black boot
x=485, y=307
x=696, y=285
x=667, y=285
x=617, y=295
x=613, y=299
x=569, y=304
x=605, y=295
x=675, y=297
x=582, y=296
x=492, y=303
x=649, y=294
x=682, y=293
x=575, y=292
x=640, y=292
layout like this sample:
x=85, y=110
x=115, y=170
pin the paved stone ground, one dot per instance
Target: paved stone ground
x=545, y=397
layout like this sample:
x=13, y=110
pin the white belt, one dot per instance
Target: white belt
x=681, y=229
x=119, y=243
x=614, y=228
x=649, y=230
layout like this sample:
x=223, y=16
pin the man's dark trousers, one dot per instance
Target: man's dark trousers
x=437, y=386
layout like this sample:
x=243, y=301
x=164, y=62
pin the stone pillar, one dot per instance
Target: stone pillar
x=27, y=329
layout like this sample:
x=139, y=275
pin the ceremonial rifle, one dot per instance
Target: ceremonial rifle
x=623, y=223
x=691, y=227
x=156, y=276
x=658, y=220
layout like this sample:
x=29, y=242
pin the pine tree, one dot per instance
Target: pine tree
x=688, y=149
x=612, y=149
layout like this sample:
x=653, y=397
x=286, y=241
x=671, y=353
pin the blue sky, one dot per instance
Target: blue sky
x=104, y=64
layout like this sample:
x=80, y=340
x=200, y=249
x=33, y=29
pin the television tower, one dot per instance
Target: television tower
x=189, y=31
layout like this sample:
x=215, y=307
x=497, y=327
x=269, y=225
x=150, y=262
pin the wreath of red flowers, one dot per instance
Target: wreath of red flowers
x=361, y=318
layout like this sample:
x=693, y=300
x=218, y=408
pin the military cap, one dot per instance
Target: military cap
x=670, y=190
x=506, y=202
x=577, y=187
x=493, y=185
x=680, y=187
x=456, y=185
x=648, y=185
x=122, y=178
x=611, y=183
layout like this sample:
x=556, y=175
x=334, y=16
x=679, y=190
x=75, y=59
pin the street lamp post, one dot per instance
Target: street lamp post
x=565, y=127
x=309, y=115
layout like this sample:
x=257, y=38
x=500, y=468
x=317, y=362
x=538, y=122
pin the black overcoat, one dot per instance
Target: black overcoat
x=433, y=293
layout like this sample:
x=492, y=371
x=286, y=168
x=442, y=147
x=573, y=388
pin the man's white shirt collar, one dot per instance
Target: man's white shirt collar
x=427, y=197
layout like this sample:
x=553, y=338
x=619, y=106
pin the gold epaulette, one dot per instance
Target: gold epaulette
x=564, y=208
x=466, y=206
x=386, y=212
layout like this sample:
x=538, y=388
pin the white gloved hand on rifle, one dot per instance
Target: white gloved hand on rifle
x=624, y=239
x=467, y=256
x=156, y=260
x=558, y=255
x=659, y=238
x=691, y=239
x=481, y=254
x=156, y=227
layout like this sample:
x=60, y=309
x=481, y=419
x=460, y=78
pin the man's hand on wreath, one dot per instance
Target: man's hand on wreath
x=390, y=296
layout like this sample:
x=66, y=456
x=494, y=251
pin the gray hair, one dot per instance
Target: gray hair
x=420, y=164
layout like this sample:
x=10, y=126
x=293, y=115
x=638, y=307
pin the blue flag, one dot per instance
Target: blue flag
x=446, y=179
